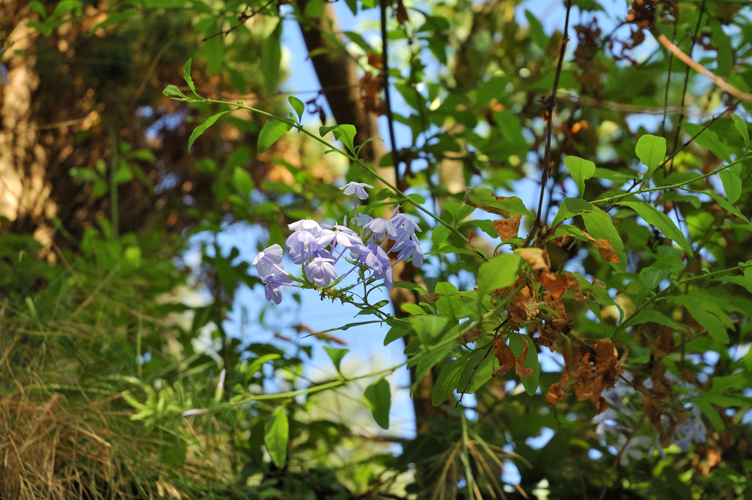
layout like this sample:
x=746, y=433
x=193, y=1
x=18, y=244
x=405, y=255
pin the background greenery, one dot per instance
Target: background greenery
x=112, y=327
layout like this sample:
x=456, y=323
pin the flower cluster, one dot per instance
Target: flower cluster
x=318, y=247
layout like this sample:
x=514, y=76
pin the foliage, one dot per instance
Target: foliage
x=582, y=315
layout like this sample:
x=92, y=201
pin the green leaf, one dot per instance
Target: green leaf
x=242, y=180
x=652, y=216
x=581, y=170
x=39, y=8
x=440, y=234
x=536, y=30
x=499, y=272
x=277, y=431
x=173, y=91
x=378, y=397
x=485, y=200
x=743, y=129
x=449, y=304
x=517, y=345
x=734, y=382
x=336, y=354
x=477, y=371
x=314, y=9
x=652, y=316
x=346, y=134
x=413, y=308
x=737, y=280
x=202, y=128
x=658, y=271
x=271, y=56
x=571, y=207
x=600, y=227
x=709, y=140
x=187, y=77
x=271, y=132
x=708, y=321
x=724, y=203
x=297, y=105
x=257, y=363
x=399, y=328
x=410, y=286
x=448, y=379
x=732, y=184
x=715, y=420
x=651, y=151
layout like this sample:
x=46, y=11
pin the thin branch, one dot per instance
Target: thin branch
x=385, y=83
x=550, y=105
x=620, y=453
x=475, y=368
x=721, y=82
x=242, y=18
x=686, y=75
x=668, y=78
x=684, y=146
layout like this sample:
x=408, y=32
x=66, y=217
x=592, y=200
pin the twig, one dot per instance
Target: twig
x=686, y=75
x=385, y=83
x=668, y=78
x=684, y=146
x=475, y=368
x=242, y=18
x=550, y=105
x=721, y=82
x=619, y=454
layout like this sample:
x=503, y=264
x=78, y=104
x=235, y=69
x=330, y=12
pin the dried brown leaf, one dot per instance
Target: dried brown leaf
x=554, y=394
x=521, y=359
x=505, y=356
x=605, y=249
x=557, y=284
x=574, y=286
x=536, y=257
x=401, y=13
x=507, y=228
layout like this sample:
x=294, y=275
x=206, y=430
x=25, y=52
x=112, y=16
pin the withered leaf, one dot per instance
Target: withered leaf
x=557, y=284
x=370, y=87
x=574, y=286
x=401, y=13
x=505, y=356
x=554, y=394
x=519, y=368
x=607, y=361
x=507, y=228
x=605, y=249
x=536, y=257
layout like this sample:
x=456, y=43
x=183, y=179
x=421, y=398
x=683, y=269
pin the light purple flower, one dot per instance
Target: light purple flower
x=634, y=450
x=272, y=283
x=376, y=259
x=381, y=226
x=405, y=222
x=357, y=188
x=301, y=245
x=363, y=219
x=692, y=429
x=268, y=259
x=320, y=271
x=409, y=249
x=341, y=235
x=309, y=225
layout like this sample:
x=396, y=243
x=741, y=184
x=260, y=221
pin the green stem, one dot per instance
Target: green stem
x=316, y=388
x=670, y=186
x=400, y=195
